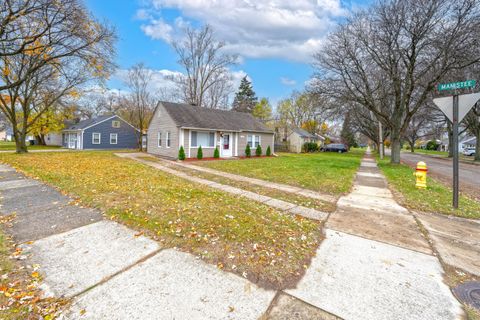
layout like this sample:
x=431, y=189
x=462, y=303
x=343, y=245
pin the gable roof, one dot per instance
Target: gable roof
x=304, y=134
x=188, y=116
x=88, y=122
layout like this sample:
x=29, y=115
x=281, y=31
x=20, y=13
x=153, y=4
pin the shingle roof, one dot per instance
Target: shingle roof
x=86, y=123
x=187, y=116
x=304, y=134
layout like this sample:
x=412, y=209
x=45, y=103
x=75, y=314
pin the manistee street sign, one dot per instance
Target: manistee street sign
x=456, y=85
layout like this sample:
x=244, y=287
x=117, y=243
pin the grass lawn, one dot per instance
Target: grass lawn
x=270, y=192
x=7, y=146
x=236, y=234
x=326, y=172
x=436, y=198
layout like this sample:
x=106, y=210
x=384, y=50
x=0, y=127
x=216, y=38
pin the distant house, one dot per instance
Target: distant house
x=104, y=132
x=175, y=124
x=469, y=142
x=298, y=137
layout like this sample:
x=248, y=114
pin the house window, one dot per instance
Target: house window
x=253, y=140
x=159, y=139
x=204, y=139
x=113, y=138
x=168, y=139
x=115, y=124
x=96, y=138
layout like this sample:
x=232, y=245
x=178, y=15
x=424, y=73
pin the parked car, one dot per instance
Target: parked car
x=469, y=151
x=335, y=147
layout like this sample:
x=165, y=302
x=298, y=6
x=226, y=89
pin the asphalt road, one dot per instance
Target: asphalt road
x=441, y=168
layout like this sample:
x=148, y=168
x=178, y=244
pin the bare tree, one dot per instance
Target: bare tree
x=472, y=123
x=389, y=59
x=139, y=103
x=74, y=49
x=206, y=68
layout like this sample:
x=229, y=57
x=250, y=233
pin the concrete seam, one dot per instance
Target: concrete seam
x=108, y=278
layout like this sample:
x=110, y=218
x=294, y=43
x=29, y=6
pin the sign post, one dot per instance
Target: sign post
x=456, y=108
x=455, y=153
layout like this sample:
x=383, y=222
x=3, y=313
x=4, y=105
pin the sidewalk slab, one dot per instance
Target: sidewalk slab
x=356, y=278
x=173, y=285
x=49, y=221
x=372, y=191
x=20, y=183
x=290, y=308
x=309, y=213
x=393, y=228
x=23, y=201
x=457, y=240
x=370, y=202
x=368, y=164
x=78, y=259
x=370, y=181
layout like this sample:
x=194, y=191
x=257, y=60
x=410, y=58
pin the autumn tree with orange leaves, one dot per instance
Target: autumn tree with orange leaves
x=49, y=49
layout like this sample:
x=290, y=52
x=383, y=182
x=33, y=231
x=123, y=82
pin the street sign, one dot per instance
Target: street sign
x=456, y=108
x=456, y=85
x=465, y=103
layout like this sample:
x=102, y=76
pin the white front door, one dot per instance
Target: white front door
x=226, y=145
x=72, y=140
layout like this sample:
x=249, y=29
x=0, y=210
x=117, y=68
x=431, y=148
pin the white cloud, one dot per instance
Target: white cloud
x=281, y=28
x=159, y=30
x=161, y=79
x=288, y=82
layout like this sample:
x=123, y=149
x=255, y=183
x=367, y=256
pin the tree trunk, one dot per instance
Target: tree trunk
x=20, y=145
x=412, y=146
x=396, y=147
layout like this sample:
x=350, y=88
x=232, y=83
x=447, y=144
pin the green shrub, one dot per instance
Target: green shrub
x=200, y=153
x=432, y=145
x=248, y=152
x=258, y=151
x=181, y=153
x=216, y=153
x=269, y=152
x=310, y=147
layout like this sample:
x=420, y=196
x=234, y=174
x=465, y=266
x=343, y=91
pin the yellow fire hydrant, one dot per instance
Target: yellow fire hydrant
x=421, y=175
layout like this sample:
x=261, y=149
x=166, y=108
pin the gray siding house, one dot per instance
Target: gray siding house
x=175, y=124
x=104, y=132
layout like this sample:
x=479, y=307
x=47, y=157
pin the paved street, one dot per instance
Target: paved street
x=442, y=170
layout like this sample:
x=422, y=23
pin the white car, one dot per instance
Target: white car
x=469, y=151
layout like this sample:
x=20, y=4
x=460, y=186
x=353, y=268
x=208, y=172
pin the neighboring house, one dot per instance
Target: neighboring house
x=469, y=142
x=53, y=139
x=298, y=137
x=174, y=125
x=104, y=132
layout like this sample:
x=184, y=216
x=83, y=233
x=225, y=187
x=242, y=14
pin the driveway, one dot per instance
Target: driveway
x=441, y=168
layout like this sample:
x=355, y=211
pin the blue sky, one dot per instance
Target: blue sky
x=275, y=40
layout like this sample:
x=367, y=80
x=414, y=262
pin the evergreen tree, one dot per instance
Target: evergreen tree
x=248, y=151
x=216, y=153
x=181, y=153
x=200, y=153
x=269, y=152
x=258, y=152
x=245, y=99
x=347, y=134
